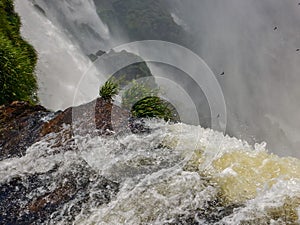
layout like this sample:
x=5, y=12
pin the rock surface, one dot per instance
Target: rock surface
x=20, y=127
x=98, y=114
x=22, y=124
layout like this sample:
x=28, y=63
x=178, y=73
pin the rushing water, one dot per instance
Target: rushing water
x=60, y=62
x=176, y=173
x=79, y=18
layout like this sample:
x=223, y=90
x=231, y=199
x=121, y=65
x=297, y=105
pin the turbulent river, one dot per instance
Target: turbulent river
x=177, y=174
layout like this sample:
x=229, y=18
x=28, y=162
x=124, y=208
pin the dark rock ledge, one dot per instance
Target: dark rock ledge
x=22, y=124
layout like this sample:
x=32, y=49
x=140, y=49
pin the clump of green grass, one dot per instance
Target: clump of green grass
x=143, y=102
x=109, y=90
x=140, y=99
x=137, y=91
x=152, y=107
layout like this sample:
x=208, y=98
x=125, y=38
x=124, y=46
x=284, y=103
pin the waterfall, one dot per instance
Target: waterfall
x=79, y=18
x=251, y=46
x=60, y=64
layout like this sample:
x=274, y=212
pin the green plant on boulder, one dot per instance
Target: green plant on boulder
x=136, y=91
x=109, y=90
x=152, y=107
x=143, y=102
x=140, y=99
x=17, y=59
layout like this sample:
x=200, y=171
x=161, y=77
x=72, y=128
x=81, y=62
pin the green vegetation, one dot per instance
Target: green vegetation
x=133, y=72
x=17, y=59
x=143, y=101
x=140, y=99
x=136, y=92
x=109, y=90
x=152, y=107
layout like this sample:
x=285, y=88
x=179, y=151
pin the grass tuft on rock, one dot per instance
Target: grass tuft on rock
x=109, y=90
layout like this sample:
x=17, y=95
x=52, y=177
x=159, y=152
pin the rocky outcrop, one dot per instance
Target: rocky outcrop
x=22, y=124
x=20, y=127
x=98, y=116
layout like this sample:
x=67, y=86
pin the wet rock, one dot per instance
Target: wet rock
x=23, y=124
x=98, y=117
x=100, y=52
x=20, y=126
x=138, y=126
x=110, y=117
x=57, y=195
x=55, y=125
x=92, y=57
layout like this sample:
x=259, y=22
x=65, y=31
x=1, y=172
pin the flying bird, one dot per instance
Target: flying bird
x=223, y=73
x=298, y=49
x=275, y=28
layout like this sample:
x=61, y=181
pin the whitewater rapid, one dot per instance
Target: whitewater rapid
x=176, y=172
